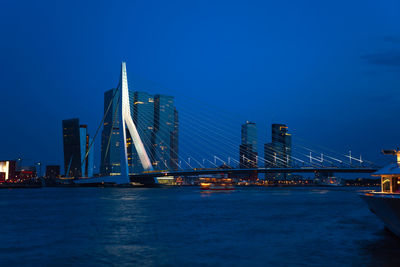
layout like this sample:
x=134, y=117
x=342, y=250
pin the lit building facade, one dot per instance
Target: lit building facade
x=7, y=170
x=12, y=172
x=143, y=117
x=248, y=147
x=249, y=135
x=248, y=156
x=164, y=135
x=278, y=153
x=109, y=161
x=156, y=121
x=282, y=144
x=110, y=140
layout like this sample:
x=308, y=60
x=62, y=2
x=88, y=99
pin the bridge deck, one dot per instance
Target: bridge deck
x=258, y=170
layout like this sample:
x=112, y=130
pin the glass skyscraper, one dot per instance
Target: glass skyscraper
x=248, y=156
x=249, y=135
x=110, y=162
x=143, y=117
x=156, y=120
x=278, y=153
x=110, y=140
x=165, y=134
x=248, y=147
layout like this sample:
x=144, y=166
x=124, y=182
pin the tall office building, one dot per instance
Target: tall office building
x=282, y=141
x=143, y=117
x=156, y=122
x=78, y=159
x=278, y=153
x=163, y=133
x=248, y=148
x=281, y=136
x=249, y=135
x=72, y=153
x=248, y=156
x=110, y=140
x=110, y=162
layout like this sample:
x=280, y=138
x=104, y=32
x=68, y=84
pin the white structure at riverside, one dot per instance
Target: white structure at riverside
x=126, y=123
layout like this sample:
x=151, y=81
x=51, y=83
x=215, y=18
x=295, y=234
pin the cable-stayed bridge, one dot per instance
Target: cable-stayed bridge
x=208, y=145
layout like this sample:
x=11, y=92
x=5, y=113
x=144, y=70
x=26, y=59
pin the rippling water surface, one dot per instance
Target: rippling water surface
x=184, y=226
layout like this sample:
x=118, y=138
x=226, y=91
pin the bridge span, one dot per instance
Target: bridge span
x=281, y=158
x=153, y=174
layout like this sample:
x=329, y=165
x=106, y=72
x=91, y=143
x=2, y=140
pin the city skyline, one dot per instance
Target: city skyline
x=156, y=120
x=200, y=133
x=144, y=108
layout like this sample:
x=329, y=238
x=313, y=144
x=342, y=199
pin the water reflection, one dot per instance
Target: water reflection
x=384, y=250
x=189, y=226
x=217, y=191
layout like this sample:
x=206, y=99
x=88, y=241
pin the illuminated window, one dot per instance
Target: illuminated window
x=386, y=184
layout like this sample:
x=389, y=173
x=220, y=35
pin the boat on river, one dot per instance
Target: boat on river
x=386, y=203
x=212, y=183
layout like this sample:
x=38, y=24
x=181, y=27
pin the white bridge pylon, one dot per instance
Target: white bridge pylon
x=126, y=121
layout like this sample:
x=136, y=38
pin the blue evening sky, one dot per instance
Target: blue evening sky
x=330, y=70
